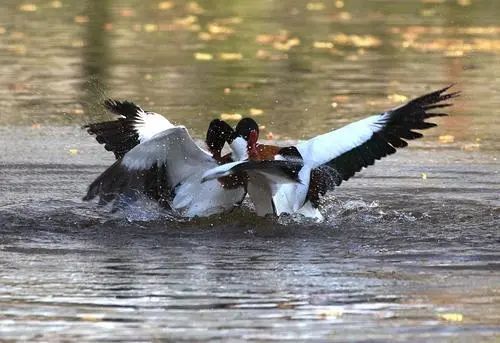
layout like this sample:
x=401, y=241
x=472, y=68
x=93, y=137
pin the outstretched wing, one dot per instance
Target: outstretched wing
x=167, y=168
x=133, y=127
x=345, y=151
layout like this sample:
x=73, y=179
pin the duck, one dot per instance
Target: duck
x=293, y=179
x=161, y=161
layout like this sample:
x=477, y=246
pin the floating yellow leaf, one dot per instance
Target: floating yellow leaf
x=287, y=45
x=81, y=19
x=78, y=44
x=2, y=30
x=56, y=4
x=256, y=112
x=323, y=45
x=205, y=36
x=227, y=90
x=364, y=41
x=341, y=98
x=424, y=176
x=150, y=27
x=339, y=4
x=186, y=21
x=28, y=7
x=219, y=29
x=397, y=97
x=165, y=5
x=334, y=104
x=267, y=55
x=452, y=317
x=446, y=139
x=231, y=116
x=315, y=6
x=194, y=7
x=73, y=152
x=345, y=16
x=464, y=2
x=230, y=56
x=127, y=12
x=203, y=56
x=19, y=49
x=91, y=317
x=333, y=313
x=471, y=147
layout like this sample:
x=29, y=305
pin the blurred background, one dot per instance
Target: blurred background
x=299, y=67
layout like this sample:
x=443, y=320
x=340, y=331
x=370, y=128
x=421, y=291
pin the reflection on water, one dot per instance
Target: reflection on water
x=410, y=247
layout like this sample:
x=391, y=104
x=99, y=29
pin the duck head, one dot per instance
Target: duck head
x=243, y=141
x=217, y=134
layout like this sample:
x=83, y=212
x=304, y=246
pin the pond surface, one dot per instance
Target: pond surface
x=410, y=249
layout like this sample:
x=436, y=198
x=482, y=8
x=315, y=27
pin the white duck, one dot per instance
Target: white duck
x=163, y=162
x=323, y=162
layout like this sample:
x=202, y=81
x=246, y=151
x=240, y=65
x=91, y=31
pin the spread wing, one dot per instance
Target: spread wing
x=167, y=168
x=344, y=152
x=133, y=126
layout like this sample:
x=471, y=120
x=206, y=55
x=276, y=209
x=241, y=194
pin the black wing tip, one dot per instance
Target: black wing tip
x=124, y=108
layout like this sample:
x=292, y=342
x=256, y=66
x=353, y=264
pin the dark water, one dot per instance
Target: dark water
x=409, y=250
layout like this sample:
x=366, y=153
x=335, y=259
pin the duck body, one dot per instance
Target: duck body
x=161, y=161
x=323, y=162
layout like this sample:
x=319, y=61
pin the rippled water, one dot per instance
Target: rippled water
x=410, y=247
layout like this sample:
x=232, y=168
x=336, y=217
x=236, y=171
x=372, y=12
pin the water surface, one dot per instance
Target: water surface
x=410, y=247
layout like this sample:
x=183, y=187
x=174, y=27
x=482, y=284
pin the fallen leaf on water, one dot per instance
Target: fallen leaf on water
x=231, y=116
x=323, y=45
x=203, y=56
x=91, y=317
x=424, y=176
x=397, y=97
x=256, y=112
x=243, y=85
x=194, y=7
x=81, y=19
x=2, y=30
x=471, y=147
x=219, y=29
x=127, y=12
x=73, y=152
x=315, y=6
x=345, y=16
x=452, y=317
x=339, y=4
x=445, y=139
x=341, y=98
x=227, y=90
x=464, y=2
x=28, y=7
x=165, y=5
x=56, y=4
x=287, y=45
x=19, y=49
x=230, y=56
x=333, y=313
x=267, y=55
x=360, y=41
x=150, y=27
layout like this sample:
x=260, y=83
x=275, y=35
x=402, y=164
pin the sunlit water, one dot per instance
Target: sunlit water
x=410, y=247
